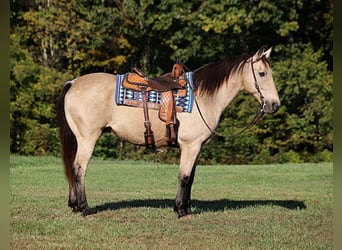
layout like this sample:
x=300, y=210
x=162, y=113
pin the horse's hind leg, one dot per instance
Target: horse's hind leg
x=77, y=195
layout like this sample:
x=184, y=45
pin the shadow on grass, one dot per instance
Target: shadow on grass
x=201, y=206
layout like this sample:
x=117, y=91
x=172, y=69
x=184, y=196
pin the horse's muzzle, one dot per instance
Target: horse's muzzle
x=271, y=106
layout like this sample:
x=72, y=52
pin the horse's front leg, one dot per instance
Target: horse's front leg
x=186, y=177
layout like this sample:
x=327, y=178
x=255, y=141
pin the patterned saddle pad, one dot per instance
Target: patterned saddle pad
x=129, y=97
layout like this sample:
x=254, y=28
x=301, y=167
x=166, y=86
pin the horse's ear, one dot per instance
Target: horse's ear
x=267, y=53
x=261, y=52
x=258, y=55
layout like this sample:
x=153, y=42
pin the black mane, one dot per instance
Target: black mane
x=210, y=77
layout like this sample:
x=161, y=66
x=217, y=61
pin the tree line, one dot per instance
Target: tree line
x=55, y=41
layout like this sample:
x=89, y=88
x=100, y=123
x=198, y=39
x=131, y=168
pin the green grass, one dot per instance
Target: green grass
x=285, y=206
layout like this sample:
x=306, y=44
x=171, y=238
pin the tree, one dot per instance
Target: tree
x=55, y=41
x=305, y=82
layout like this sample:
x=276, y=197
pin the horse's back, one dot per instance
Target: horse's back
x=93, y=82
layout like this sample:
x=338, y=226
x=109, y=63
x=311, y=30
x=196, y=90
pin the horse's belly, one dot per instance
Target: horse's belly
x=128, y=124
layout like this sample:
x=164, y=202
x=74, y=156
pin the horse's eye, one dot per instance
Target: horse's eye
x=262, y=73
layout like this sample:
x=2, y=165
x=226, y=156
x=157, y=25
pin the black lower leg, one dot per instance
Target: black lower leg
x=77, y=197
x=182, y=204
x=72, y=202
x=83, y=204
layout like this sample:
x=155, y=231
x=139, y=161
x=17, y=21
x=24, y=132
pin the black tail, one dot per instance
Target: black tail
x=66, y=137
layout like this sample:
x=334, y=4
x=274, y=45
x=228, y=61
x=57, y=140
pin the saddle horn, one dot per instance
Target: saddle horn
x=139, y=72
x=177, y=70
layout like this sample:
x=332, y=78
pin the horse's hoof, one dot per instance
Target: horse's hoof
x=88, y=211
x=180, y=213
x=75, y=209
x=189, y=211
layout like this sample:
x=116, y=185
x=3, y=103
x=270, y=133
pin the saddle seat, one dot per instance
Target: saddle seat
x=138, y=81
x=169, y=84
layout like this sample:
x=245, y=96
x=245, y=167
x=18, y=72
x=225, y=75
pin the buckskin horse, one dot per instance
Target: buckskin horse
x=87, y=107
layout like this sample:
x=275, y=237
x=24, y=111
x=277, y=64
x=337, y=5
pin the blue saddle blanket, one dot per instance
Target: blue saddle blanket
x=122, y=94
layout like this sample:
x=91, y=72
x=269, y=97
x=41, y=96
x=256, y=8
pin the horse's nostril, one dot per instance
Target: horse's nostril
x=275, y=106
x=271, y=106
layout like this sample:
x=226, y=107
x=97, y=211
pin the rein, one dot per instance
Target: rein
x=258, y=116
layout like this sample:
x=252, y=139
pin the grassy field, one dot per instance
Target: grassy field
x=285, y=206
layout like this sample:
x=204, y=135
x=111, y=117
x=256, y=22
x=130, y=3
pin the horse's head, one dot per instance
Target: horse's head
x=258, y=80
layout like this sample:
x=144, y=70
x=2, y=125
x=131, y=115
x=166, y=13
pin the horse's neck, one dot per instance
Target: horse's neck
x=213, y=106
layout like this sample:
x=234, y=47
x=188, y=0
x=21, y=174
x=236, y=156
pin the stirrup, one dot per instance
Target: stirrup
x=172, y=134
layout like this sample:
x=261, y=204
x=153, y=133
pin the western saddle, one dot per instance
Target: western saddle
x=169, y=85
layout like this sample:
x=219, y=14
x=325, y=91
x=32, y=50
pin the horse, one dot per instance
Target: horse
x=86, y=108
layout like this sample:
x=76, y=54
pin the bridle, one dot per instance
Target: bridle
x=261, y=112
x=256, y=84
x=259, y=115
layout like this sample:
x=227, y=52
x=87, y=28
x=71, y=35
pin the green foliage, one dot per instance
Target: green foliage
x=324, y=156
x=289, y=156
x=55, y=41
x=307, y=110
x=40, y=139
x=106, y=146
